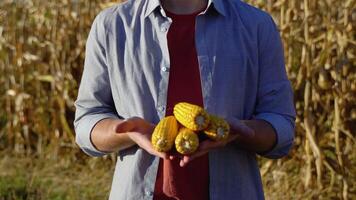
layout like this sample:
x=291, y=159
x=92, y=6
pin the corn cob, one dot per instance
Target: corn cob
x=186, y=141
x=191, y=116
x=218, y=128
x=164, y=134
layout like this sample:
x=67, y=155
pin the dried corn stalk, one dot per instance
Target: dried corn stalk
x=41, y=57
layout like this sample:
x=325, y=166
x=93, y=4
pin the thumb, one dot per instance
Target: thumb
x=240, y=128
x=124, y=126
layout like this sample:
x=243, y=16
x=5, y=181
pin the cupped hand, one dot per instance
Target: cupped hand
x=237, y=129
x=140, y=131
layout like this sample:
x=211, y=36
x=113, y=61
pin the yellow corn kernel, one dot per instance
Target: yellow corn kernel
x=218, y=128
x=187, y=141
x=164, y=134
x=191, y=116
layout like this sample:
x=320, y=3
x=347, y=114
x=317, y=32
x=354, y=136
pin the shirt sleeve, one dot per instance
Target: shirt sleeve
x=94, y=101
x=275, y=96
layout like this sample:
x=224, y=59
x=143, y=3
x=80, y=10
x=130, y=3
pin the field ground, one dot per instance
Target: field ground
x=42, y=51
x=28, y=178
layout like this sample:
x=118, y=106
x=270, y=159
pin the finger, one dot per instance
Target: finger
x=247, y=131
x=162, y=155
x=182, y=164
x=173, y=155
x=185, y=160
x=189, y=158
x=146, y=145
x=141, y=125
x=204, y=147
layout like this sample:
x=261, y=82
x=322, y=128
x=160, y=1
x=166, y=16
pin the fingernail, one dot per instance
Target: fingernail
x=181, y=163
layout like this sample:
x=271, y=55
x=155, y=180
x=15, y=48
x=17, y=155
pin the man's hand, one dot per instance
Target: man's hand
x=139, y=131
x=111, y=135
x=237, y=130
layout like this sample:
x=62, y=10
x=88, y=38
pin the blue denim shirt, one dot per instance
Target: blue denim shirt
x=243, y=75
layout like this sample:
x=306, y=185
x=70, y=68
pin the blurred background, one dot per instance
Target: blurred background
x=42, y=46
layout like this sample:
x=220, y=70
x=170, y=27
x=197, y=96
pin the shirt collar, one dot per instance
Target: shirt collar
x=217, y=4
x=151, y=5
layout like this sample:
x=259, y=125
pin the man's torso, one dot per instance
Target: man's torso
x=135, y=35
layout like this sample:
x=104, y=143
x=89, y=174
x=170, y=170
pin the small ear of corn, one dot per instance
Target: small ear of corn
x=218, y=128
x=187, y=141
x=164, y=134
x=191, y=116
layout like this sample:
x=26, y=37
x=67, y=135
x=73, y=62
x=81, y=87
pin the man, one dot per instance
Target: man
x=144, y=56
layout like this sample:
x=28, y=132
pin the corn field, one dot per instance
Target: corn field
x=41, y=59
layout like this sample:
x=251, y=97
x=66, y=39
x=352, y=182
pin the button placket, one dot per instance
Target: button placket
x=204, y=62
x=163, y=27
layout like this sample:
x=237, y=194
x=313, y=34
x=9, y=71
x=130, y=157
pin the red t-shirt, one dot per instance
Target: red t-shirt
x=192, y=181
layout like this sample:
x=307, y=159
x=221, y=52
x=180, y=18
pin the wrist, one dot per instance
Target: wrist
x=121, y=134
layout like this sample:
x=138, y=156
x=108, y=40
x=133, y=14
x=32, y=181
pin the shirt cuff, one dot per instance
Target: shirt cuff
x=284, y=128
x=83, y=132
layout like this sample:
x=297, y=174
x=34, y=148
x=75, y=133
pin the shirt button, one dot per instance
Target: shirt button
x=161, y=108
x=164, y=29
x=148, y=193
x=164, y=69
